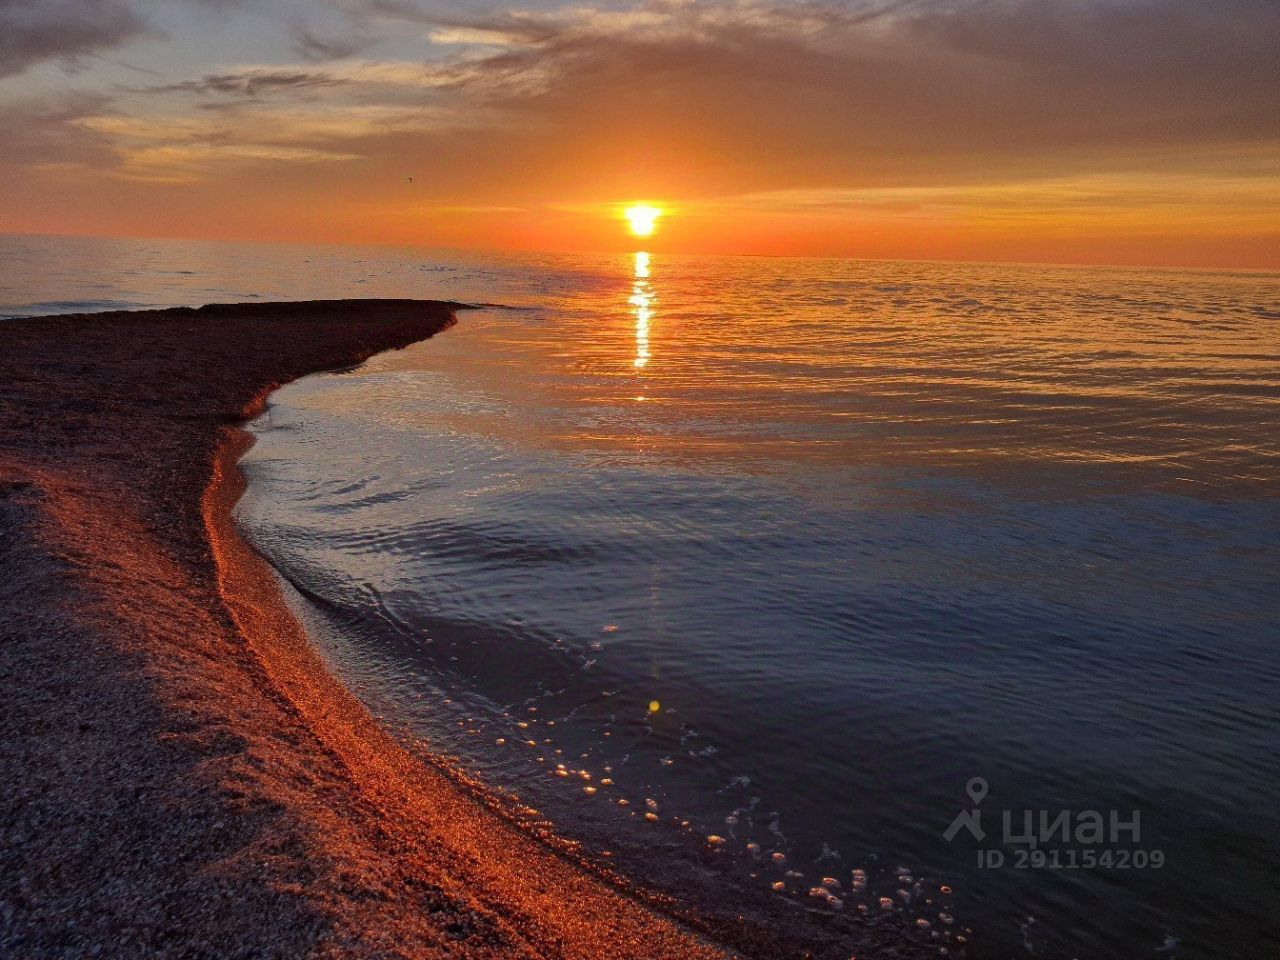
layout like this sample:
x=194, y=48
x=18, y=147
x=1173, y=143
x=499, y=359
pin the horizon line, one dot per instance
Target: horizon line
x=975, y=261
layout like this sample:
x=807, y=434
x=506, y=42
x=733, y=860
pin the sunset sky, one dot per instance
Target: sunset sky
x=1096, y=131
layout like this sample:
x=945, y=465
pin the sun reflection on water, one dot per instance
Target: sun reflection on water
x=642, y=301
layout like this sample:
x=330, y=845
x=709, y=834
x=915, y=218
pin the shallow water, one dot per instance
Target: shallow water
x=792, y=551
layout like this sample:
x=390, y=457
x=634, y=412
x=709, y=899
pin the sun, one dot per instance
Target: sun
x=643, y=219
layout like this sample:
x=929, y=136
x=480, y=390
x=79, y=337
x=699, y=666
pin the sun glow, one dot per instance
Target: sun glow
x=643, y=219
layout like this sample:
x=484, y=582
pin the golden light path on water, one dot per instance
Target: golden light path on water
x=642, y=299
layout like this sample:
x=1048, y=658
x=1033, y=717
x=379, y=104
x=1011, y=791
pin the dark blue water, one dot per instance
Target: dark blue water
x=792, y=552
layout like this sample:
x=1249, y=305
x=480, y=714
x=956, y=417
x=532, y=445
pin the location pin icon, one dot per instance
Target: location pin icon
x=977, y=790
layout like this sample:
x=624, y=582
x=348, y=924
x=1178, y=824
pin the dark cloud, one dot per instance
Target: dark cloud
x=312, y=46
x=49, y=131
x=36, y=30
x=254, y=82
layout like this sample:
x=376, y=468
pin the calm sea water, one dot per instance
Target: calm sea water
x=807, y=557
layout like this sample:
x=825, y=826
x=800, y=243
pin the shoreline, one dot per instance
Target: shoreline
x=186, y=774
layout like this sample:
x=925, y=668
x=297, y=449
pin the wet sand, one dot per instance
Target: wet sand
x=181, y=775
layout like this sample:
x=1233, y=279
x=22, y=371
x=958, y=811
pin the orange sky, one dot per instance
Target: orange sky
x=1097, y=131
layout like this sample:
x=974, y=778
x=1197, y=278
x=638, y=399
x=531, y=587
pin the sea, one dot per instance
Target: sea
x=936, y=600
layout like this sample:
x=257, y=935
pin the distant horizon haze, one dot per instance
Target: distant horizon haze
x=637, y=245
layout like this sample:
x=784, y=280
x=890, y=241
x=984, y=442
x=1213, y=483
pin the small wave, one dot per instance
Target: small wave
x=15, y=311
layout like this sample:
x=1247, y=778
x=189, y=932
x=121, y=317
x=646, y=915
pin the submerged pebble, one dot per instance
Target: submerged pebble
x=827, y=897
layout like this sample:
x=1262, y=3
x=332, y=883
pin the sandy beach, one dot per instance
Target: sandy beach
x=183, y=778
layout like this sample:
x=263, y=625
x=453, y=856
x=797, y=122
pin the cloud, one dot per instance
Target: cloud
x=255, y=81
x=191, y=162
x=48, y=130
x=383, y=78
x=190, y=147
x=280, y=124
x=450, y=36
x=313, y=47
x=36, y=30
x=1063, y=201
